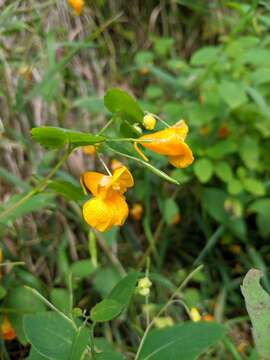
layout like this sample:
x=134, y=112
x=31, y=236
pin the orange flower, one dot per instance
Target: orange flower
x=108, y=207
x=208, y=317
x=223, y=132
x=169, y=142
x=8, y=332
x=136, y=211
x=89, y=150
x=77, y=5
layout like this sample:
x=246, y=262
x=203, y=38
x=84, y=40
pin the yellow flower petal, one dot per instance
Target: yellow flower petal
x=98, y=214
x=118, y=204
x=92, y=181
x=77, y=5
x=122, y=179
x=184, y=159
x=89, y=150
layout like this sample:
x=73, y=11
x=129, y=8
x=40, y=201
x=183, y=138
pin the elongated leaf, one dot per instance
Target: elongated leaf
x=123, y=290
x=122, y=104
x=55, y=137
x=106, y=310
x=185, y=342
x=258, y=307
x=34, y=203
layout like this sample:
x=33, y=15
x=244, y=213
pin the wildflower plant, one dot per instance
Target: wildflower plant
x=107, y=208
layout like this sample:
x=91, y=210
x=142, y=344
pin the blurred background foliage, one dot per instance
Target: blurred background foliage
x=207, y=62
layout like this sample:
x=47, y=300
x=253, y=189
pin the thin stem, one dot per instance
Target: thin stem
x=39, y=188
x=161, y=120
x=105, y=127
x=92, y=337
x=104, y=165
x=169, y=302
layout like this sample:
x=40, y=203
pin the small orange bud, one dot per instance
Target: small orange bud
x=144, y=70
x=116, y=164
x=176, y=219
x=89, y=150
x=8, y=332
x=223, y=132
x=77, y=5
x=136, y=211
x=208, y=317
x=149, y=122
x=204, y=130
x=235, y=249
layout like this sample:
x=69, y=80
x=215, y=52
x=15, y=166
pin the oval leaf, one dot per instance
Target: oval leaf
x=106, y=310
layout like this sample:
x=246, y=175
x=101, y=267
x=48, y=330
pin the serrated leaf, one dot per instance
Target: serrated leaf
x=258, y=307
x=123, y=105
x=56, y=137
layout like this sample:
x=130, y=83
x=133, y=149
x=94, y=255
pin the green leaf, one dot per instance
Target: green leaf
x=234, y=187
x=3, y=292
x=82, y=268
x=249, y=152
x=50, y=334
x=262, y=209
x=170, y=210
x=204, y=56
x=186, y=341
x=35, y=355
x=258, y=307
x=106, y=310
x=203, y=169
x=21, y=301
x=109, y=355
x=56, y=137
x=254, y=186
x=232, y=93
x=124, y=289
x=33, y=204
x=221, y=149
x=92, y=104
x=67, y=190
x=61, y=300
x=13, y=179
x=122, y=104
x=79, y=344
x=223, y=171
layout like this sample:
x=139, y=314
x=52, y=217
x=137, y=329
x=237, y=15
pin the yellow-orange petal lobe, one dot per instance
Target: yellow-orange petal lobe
x=118, y=204
x=122, y=179
x=92, y=181
x=184, y=158
x=7, y=330
x=77, y=5
x=181, y=128
x=98, y=214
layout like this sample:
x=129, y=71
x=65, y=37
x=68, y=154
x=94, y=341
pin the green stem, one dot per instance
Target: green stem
x=210, y=243
x=39, y=188
x=105, y=127
x=169, y=302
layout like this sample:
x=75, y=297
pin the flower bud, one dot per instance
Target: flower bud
x=144, y=285
x=136, y=211
x=89, y=150
x=149, y=122
x=194, y=314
